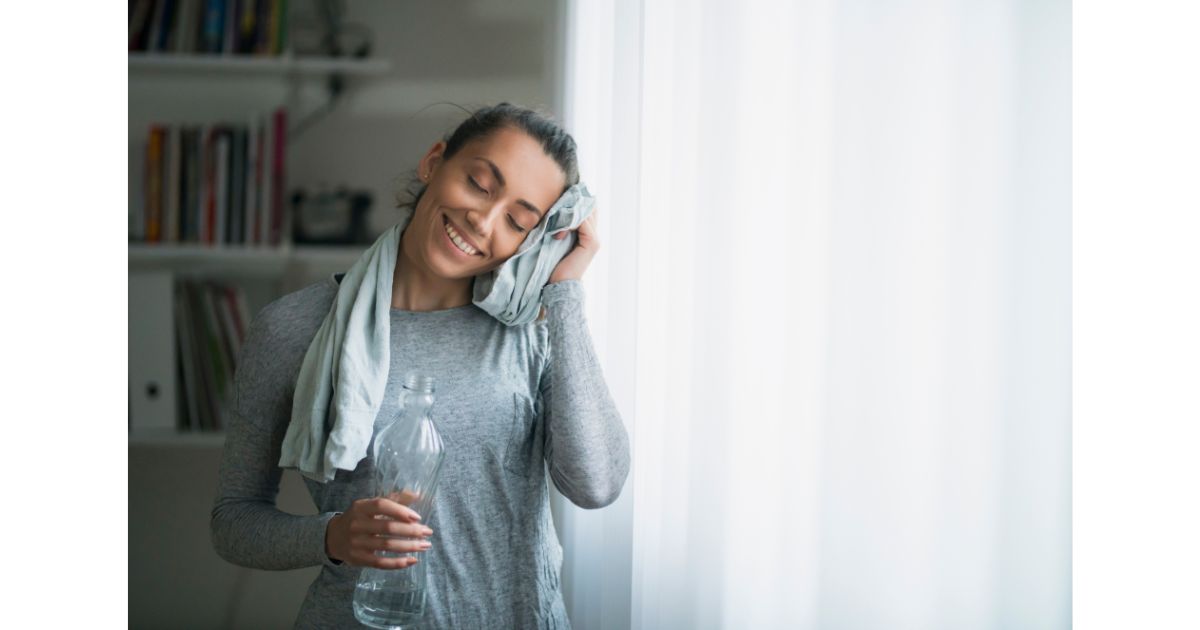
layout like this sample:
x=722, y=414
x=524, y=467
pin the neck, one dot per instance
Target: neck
x=416, y=288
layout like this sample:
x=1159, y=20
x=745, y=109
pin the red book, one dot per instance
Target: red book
x=154, y=183
x=277, y=176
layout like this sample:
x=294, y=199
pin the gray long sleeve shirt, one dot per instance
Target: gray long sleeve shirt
x=511, y=403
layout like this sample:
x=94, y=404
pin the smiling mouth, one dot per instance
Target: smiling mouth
x=457, y=240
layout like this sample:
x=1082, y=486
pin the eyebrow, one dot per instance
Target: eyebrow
x=500, y=178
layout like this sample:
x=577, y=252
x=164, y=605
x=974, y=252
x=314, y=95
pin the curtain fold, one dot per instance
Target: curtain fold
x=834, y=296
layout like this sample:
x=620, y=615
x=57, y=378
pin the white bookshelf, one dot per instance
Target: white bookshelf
x=241, y=259
x=284, y=65
x=220, y=87
x=172, y=438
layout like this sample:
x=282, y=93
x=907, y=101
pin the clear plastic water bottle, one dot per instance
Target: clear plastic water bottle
x=408, y=458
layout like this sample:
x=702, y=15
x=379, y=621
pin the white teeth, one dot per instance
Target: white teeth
x=462, y=245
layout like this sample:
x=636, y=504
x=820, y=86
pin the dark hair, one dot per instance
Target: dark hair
x=557, y=143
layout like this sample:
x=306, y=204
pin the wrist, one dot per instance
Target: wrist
x=330, y=533
x=568, y=290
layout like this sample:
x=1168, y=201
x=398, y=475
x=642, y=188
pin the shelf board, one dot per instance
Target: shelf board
x=252, y=64
x=242, y=258
x=167, y=437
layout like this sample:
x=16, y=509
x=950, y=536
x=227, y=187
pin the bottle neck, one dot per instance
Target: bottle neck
x=413, y=402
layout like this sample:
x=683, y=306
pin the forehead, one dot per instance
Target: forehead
x=528, y=172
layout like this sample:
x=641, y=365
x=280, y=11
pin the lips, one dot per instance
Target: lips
x=448, y=227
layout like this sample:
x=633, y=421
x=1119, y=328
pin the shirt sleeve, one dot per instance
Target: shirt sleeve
x=587, y=446
x=247, y=528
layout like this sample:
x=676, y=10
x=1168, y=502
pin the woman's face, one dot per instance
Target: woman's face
x=480, y=204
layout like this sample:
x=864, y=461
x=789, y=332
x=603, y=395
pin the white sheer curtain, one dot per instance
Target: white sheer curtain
x=834, y=307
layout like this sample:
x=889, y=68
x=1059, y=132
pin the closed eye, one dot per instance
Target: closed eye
x=516, y=226
x=476, y=185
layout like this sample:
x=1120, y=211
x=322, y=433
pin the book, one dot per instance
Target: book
x=229, y=29
x=190, y=204
x=222, y=361
x=214, y=184
x=279, y=136
x=230, y=342
x=263, y=24
x=224, y=27
x=189, y=377
x=214, y=25
x=166, y=26
x=154, y=27
x=221, y=185
x=268, y=183
x=154, y=183
x=281, y=28
x=242, y=310
x=211, y=325
x=174, y=153
x=141, y=15
x=204, y=364
x=252, y=181
x=276, y=21
x=185, y=27
x=234, y=220
x=247, y=17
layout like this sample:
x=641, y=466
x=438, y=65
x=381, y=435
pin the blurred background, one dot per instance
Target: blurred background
x=265, y=152
x=833, y=302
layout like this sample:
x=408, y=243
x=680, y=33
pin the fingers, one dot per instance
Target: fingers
x=365, y=548
x=380, y=507
x=384, y=527
x=402, y=562
x=401, y=545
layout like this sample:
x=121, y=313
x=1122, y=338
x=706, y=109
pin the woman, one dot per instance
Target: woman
x=512, y=402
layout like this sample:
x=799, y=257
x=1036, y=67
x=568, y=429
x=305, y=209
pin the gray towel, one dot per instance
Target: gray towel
x=344, y=374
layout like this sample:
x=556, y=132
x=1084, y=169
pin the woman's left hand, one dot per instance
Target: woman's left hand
x=576, y=261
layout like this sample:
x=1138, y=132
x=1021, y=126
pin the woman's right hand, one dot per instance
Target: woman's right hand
x=372, y=525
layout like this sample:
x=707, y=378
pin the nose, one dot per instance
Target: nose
x=481, y=220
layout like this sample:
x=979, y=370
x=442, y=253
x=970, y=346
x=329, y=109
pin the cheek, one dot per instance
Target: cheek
x=510, y=243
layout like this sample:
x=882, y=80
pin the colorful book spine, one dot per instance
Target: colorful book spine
x=277, y=176
x=166, y=27
x=216, y=184
x=268, y=166
x=174, y=167
x=221, y=187
x=252, y=181
x=154, y=183
x=141, y=15
x=242, y=27
x=214, y=25
x=247, y=18
x=209, y=219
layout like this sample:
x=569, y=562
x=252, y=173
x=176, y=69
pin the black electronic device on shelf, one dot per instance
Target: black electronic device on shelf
x=330, y=217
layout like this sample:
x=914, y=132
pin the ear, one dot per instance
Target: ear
x=429, y=164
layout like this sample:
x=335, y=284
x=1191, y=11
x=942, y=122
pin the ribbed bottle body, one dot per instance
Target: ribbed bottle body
x=408, y=455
